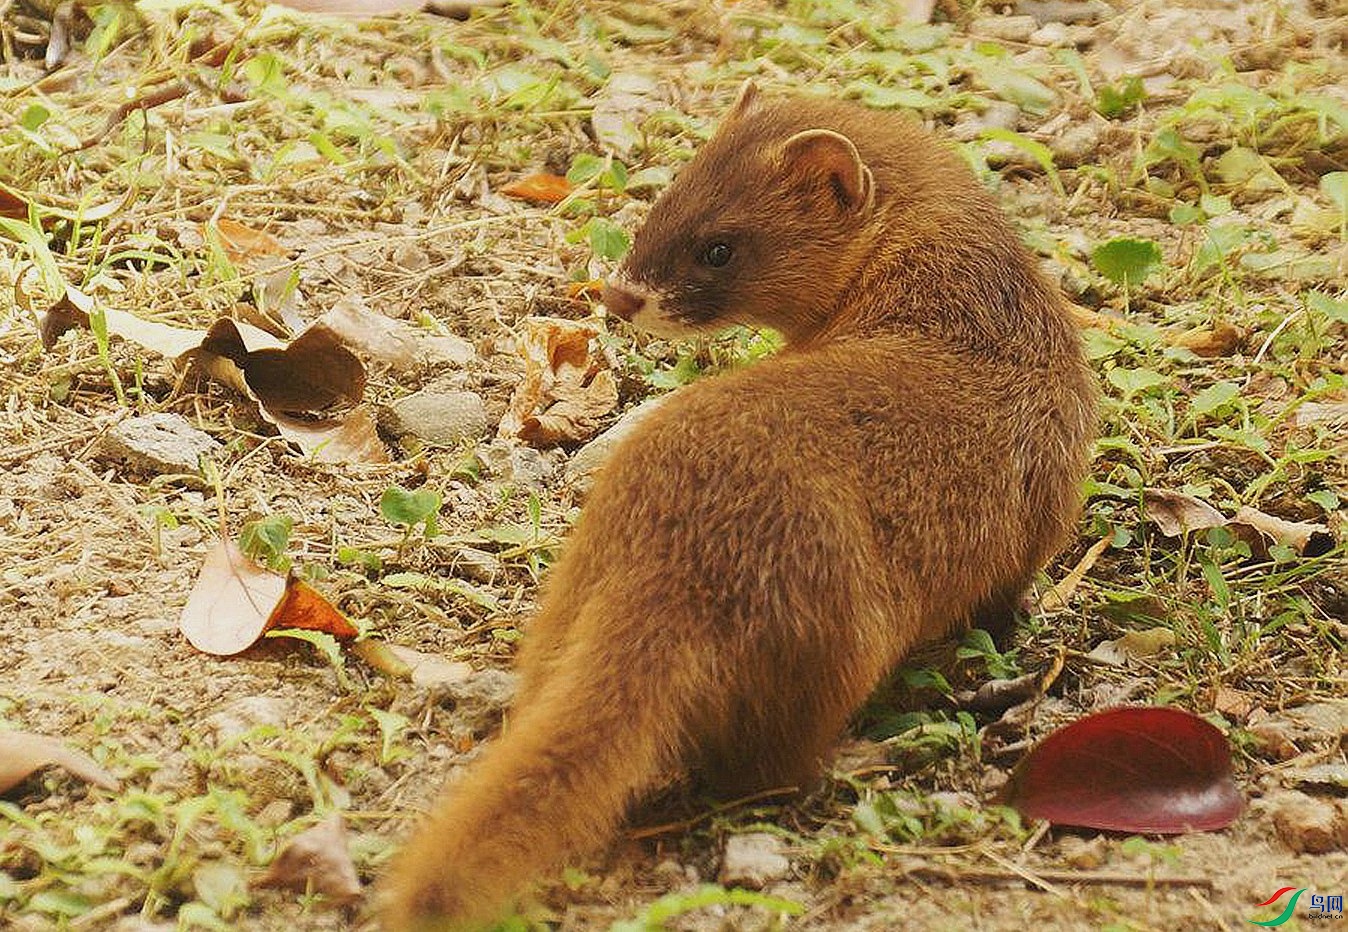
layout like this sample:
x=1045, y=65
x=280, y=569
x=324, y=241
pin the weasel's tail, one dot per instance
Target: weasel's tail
x=555, y=785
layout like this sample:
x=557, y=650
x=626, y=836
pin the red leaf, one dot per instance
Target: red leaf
x=541, y=189
x=1153, y=770
x=12, y=204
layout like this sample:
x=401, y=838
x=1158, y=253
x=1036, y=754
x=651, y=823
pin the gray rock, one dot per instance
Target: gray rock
x=999, y=114
x=1307, y=824
x=156, y=443
x=585, y=461
x=479, y=699
x=1075, y=145
x=440, y=418
x=1064, y=11
x=1062, y=35
x=754, y=861
x=517, y=464
x=477, y=565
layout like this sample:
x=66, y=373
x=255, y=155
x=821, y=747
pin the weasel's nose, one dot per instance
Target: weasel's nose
x=622, y=300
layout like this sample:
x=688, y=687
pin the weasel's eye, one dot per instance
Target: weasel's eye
x=716, y=255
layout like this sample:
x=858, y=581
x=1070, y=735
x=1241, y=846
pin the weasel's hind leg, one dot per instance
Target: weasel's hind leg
x=780, y=727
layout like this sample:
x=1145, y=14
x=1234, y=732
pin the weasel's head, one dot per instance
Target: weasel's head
x=762, y=227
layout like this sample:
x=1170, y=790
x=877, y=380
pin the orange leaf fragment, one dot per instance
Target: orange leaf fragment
x=235, y=602
x=22, y=753
x=243, y=242
x=303, y=607
x=1220, y=339
x=587, y=290
x=541, y=188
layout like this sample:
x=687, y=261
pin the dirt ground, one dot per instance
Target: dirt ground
x=374, y=151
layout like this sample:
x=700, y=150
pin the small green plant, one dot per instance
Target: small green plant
x=1157, y=854
x=607, y=240
x=605, y=173
x=324, y=643
x=98, y=325
x=1335, y=187
x=407, y=508
x=1127, y=261
x=978, y=645
x=265, y=540
x=684, y=371
x=654, y=918
x=1114, y=100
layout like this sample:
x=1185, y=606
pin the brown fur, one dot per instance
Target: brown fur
x=770, y=542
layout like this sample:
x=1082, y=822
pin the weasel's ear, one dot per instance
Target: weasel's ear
x=744, y=100
x=825, y=155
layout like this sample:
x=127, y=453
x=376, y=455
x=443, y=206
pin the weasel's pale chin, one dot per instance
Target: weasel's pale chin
x=654, y=321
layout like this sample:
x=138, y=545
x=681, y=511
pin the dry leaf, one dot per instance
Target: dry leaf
x=22, y=753
x=317, y=860
x=430, y=669
x=231, y=602
x=351, y=438
x=1057, y=597
x=1150, y=770
x=73, y=311
x=1307, y=539
x=460, y=9
x=1133, y=645
x=564, y=392
x=302, y=607
x=314, y=373
x=576, y=413
x=235, y=601
x=1000, y=695
x=1221, y=339
x=1175, y=513
x=1316, y=412
x=380, y=656
x=539, y=189
x=12, y=205
x=241, y=242
x=587, y=290
x=310, y=387
x=1086, y=318
x=394, y=342
x=1235, y=704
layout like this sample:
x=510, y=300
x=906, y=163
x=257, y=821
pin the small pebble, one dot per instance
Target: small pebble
x=753, y=861
x=439, y=418
x=1006, y=28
